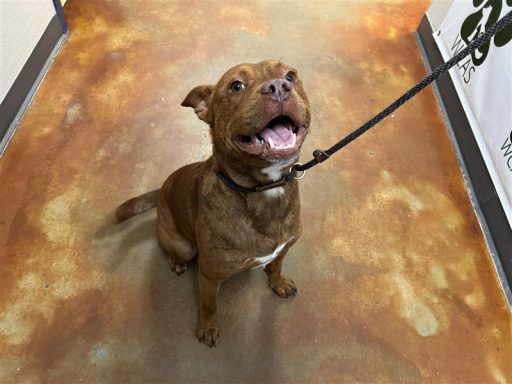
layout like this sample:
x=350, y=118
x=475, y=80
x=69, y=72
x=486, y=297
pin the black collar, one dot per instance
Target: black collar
x=259, y=188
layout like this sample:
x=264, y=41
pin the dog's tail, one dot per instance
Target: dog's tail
x=137, y=205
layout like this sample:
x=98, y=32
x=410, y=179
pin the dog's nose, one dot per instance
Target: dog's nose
x=278, y=89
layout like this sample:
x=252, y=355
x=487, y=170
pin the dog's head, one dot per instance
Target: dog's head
x=258, y=113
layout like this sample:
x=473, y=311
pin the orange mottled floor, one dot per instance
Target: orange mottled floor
x=395, y=280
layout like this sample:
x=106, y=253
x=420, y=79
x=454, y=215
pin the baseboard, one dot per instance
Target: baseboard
x=22, y=91
x=482, y=192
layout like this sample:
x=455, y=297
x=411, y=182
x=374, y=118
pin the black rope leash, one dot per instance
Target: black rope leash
x=298, y=170
x=320, y=156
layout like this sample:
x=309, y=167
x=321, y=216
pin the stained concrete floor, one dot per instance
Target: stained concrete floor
x=395, y=280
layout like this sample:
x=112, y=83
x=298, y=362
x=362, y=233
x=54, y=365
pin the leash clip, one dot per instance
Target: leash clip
x=296, y=173
x=320, y=156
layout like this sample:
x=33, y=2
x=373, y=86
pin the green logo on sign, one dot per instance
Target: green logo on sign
x=477, y=23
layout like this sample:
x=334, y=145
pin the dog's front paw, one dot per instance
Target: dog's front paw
x=208, y=335
x=283, y=286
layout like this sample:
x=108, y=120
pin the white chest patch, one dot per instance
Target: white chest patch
x=264, y=260
x=274, y=192
x=274, y=173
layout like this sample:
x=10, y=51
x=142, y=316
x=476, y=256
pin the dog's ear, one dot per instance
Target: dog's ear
x=200, y=99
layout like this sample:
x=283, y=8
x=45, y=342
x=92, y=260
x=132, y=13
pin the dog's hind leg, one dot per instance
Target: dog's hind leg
x=179, y=249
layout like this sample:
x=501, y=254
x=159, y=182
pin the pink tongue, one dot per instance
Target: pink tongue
x=279, y=134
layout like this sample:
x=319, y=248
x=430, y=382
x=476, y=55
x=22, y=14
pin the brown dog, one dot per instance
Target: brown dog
x=259, y=117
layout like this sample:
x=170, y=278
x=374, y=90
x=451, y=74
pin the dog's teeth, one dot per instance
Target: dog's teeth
x=271, y=143
x=294, y=140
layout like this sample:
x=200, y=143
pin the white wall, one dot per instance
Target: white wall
x=22, y=23
x=437, y=11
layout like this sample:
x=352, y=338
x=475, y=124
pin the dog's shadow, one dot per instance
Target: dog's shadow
x=120, y=241
x=129, y=252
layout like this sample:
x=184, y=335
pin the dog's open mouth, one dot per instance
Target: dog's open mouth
x=281, y=138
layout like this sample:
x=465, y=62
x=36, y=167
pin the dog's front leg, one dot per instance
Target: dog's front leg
x=281, y=285
x=207, y=330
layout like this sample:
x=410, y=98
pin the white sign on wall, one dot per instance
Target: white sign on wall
x=484, y=84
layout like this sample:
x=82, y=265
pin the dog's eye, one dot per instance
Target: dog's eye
x=291, y=76
x=237, y=86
